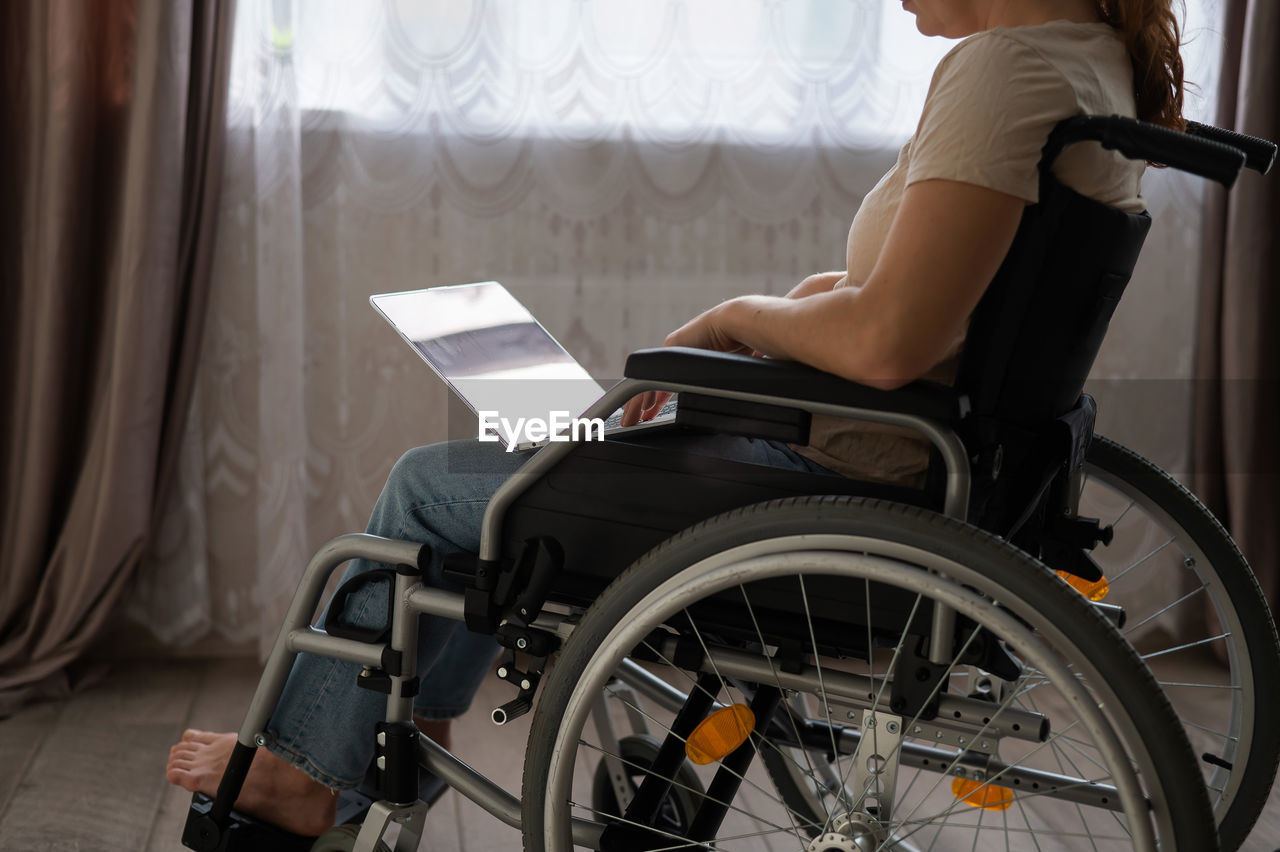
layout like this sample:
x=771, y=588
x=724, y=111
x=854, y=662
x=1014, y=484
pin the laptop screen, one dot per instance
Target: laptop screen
x=490, y=350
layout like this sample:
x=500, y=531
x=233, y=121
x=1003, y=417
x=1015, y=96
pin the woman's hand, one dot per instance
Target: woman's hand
x=705, y=331
x=644, y=407
x=708, y=330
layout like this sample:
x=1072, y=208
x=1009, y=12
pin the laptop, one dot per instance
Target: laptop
x=521, y=384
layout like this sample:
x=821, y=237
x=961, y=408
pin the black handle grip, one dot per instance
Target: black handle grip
x=1140, y=140
x=1260, y=155
x=513, y=709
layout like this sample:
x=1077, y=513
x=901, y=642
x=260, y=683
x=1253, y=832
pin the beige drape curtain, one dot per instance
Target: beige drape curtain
x=111, y=132
x=1237, y=417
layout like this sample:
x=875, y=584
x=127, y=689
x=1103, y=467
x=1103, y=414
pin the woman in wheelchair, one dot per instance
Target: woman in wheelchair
x=922, y=250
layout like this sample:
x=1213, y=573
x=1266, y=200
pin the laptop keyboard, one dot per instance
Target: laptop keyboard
x=668, y=411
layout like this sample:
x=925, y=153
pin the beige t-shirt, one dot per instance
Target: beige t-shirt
x=991, y=104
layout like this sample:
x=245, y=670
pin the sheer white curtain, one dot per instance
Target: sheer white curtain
x=618, y=166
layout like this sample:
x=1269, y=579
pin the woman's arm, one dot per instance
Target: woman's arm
x=822, y=282
x=944, y=247
x=647, y=405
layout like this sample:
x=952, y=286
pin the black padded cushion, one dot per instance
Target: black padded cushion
x=1034, y=336
x=790, y=380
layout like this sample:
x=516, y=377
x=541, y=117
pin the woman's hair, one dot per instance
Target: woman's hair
x=1152, y=37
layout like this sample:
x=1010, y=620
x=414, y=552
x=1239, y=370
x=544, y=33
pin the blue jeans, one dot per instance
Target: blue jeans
x=324, y=724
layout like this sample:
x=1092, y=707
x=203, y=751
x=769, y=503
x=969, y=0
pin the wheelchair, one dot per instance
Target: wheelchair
x=727, y=656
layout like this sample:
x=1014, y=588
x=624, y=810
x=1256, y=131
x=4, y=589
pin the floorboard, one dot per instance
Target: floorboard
x=97, y=781
x=20, y=740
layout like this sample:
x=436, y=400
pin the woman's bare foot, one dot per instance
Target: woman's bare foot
x=274, y=791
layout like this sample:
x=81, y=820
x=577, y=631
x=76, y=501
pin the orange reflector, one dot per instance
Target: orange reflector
x=989, y=797
x=719, y=734
x=1094, y=590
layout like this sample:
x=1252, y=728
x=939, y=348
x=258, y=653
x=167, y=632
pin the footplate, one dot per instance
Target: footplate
x=245, y=834
x=241, y=834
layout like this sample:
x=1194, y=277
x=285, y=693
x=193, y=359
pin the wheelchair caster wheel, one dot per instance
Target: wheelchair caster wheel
x=638, y=752
x=342, y=838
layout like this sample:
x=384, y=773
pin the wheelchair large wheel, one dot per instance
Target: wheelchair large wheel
x=1197, y=615
x=812, y=603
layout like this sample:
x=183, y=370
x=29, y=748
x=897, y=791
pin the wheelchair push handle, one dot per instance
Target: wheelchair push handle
x=1260, y=155
x=1201, y=155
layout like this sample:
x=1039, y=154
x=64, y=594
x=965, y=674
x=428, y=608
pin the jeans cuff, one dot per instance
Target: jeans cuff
x=301, y=762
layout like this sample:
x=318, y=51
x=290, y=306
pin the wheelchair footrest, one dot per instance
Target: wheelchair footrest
x=243, y=834
x=246, y=834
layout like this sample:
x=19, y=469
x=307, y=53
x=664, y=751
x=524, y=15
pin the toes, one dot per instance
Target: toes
x=183, y=778
x=194, y=778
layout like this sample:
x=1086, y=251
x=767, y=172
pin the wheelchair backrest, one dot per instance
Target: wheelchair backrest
x=1031, y=343
x=1035, y=334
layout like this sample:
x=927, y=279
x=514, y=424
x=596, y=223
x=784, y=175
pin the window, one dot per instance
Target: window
x=756, y=72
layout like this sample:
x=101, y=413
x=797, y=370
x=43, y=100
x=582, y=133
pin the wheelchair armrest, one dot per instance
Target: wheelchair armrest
x=791, y=380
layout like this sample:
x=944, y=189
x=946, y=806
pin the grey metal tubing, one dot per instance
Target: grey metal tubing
x=1014, y=724
x=956, y=503
x=309, y=640
x=404, y=638
x=653, y=687
x=1029, y=781
x=942, y=633
x=441, y=602
x=305, y=599
x=1032, y=782
x=915, y=755
x=488, y=795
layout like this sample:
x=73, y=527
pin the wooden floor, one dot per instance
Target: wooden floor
x=86, y=775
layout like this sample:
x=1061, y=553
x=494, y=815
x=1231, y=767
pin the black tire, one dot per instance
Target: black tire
x=1138, y=711
x=638, y=752
x=1255, y=652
